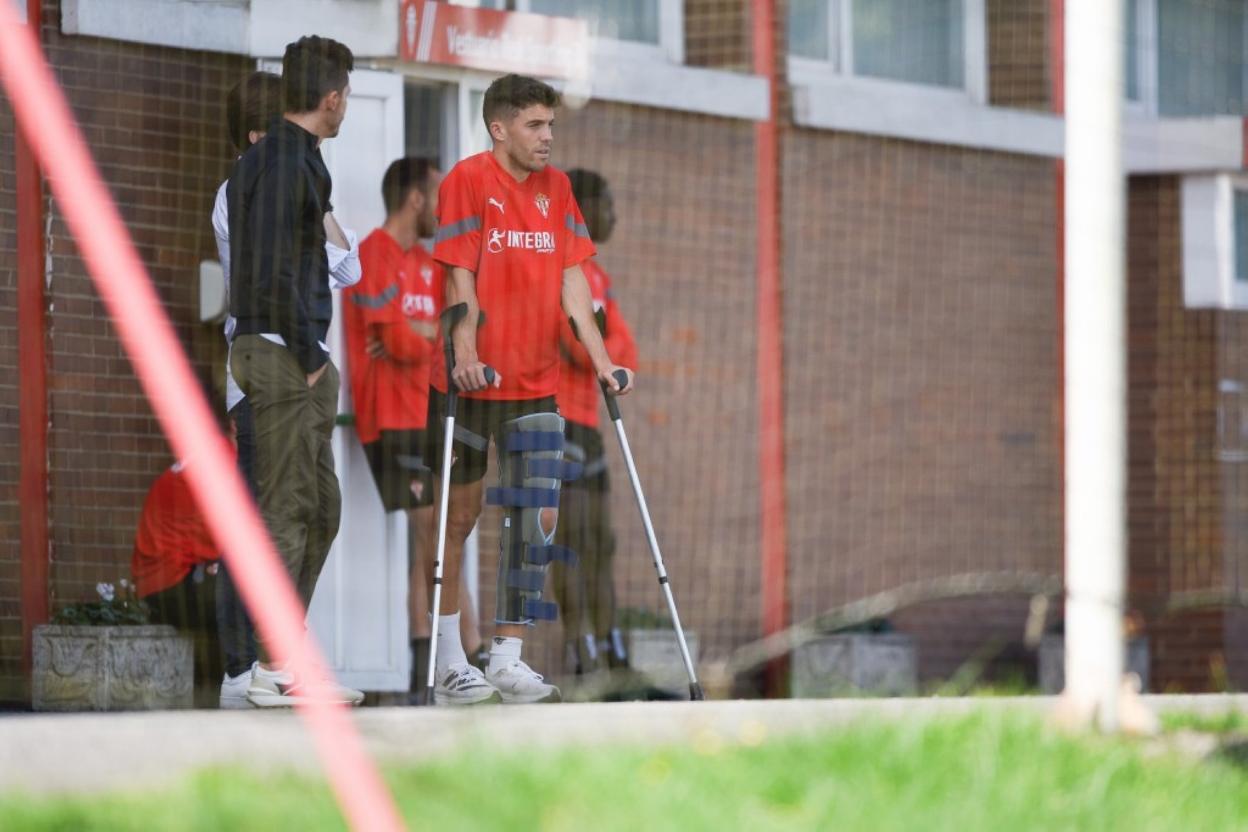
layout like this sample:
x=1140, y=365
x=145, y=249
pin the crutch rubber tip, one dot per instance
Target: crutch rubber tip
x=695, y=692
x=429, y=700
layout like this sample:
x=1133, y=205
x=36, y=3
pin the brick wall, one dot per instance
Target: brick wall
x=1018, y=60
x=154, y=120
x=10, y=511
x=1187, y=500
x=717, y=33
x=920, y=350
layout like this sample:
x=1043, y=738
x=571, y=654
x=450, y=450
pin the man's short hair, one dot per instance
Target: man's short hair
x=252, y=104
x=312, y=68
x=402, y=176
x=512, y=93
x=586, y=184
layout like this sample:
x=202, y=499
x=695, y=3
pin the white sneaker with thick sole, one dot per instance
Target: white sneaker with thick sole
x=234, y=692
x=281, y=689
x=463, y=684
x=518, y=684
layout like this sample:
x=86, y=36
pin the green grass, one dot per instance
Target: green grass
x=981, y=772
x=1230, y=722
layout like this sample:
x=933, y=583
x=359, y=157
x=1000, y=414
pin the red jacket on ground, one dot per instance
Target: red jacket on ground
x=172, y=537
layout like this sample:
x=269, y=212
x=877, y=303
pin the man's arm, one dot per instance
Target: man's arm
x=405, y=342
x=342, y=247
x=578, y=304
x=468, y=373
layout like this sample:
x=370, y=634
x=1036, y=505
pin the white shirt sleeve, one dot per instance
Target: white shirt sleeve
x=344, y=263
x=221, y=230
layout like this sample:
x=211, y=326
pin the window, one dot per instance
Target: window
x=1187, y=57
x=651, y=23
x=911, y=41
x=1241, y=235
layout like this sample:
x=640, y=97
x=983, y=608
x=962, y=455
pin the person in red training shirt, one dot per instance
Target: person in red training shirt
x=512, y=240
x=174, y=565
x=586, y=594
x=390, y=319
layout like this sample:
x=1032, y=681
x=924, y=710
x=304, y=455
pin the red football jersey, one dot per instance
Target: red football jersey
x=517, y=238
x=579, y=392
x=172, y=536
x=397, y=288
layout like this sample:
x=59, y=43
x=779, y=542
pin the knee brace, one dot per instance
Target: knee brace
x=531, y=468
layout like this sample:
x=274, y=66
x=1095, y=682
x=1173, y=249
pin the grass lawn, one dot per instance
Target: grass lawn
x=981, y=772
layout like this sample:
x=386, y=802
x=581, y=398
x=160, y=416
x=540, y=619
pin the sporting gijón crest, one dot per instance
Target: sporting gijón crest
x=543, y=204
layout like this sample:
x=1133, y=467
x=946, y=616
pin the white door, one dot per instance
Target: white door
x=359, y=611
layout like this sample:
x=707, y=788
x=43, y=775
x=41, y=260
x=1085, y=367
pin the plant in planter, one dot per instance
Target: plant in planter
x=104, y=655
x=867, y=658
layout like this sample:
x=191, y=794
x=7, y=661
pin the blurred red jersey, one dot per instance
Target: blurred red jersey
x=517, y=238
x=396, y=290
x=579, y=393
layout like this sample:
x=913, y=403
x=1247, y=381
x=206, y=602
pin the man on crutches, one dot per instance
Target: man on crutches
x=512, y=239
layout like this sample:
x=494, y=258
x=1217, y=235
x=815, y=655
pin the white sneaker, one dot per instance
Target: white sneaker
x=519, y=685
x=281, y=689
x=463, y=684
x=234, y=692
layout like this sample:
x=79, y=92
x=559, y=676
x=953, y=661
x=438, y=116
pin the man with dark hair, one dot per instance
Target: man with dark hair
x=513, y=240
x=251, y=107
x=587, y=594
x=390, y=318
x=278, y=196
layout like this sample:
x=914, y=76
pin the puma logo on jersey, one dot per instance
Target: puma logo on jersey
x=543, y=242
x=497, y=205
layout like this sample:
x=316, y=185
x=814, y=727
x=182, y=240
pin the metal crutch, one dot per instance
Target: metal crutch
x=613, y=408
x=450, y=317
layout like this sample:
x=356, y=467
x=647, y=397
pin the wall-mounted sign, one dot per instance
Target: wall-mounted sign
x=531, y=44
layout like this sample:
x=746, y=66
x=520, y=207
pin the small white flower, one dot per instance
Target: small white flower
x=123, y=583
x=106, y=591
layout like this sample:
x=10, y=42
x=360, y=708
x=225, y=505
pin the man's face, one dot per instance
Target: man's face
x=527, y=136
x=427, y=220
x=335, y=104
x=600, y=216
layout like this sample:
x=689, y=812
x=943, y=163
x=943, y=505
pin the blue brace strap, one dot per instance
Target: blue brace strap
x=523, y=497
x=542, y=555
x=527, y=580
x=534, y=440
x=555, y=469
x=541, y=610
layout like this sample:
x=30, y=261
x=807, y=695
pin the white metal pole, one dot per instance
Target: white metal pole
x=1096, y=425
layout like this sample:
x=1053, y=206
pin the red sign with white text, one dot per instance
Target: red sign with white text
x=532, y=44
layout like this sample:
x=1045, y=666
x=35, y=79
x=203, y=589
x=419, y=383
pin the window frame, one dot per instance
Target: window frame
x=670, y=48
x=1148, y=63
x=840, y=62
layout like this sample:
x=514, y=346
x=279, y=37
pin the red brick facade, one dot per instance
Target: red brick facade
x=1187, y=503
x=155, y=123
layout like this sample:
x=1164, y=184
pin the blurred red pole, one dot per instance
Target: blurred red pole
x=1057, y=92
x=32, y=381
x=770, y=371
x=162, y=368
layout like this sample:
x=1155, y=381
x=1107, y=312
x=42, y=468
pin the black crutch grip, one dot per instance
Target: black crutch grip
x=613, y=407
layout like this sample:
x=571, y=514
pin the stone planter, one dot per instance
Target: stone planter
x=1053, y=662
x=80, y=668
x=855, y=663
x=656, y=653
